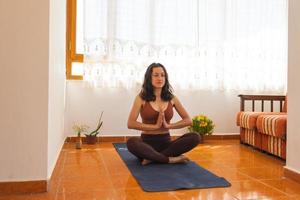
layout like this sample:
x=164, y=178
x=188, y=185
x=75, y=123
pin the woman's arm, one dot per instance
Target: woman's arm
x=185, y=121
x=132, y=122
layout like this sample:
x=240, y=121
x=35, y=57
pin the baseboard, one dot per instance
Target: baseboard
x=23, y=187
x=124, y=138
x=291, y=174
x=100, y=139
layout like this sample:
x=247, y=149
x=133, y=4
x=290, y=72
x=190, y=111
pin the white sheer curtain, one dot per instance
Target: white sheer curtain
x=204, y=44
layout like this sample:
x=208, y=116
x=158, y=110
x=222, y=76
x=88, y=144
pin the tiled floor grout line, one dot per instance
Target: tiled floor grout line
x=258, y=180
x=235, y=197
x=107, y=171
x=60, y=177
x=174, y=195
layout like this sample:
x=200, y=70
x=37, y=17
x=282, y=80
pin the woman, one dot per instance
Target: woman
x=155, y=105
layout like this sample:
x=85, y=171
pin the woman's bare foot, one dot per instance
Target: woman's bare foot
x=146, y=162
x=178, y=159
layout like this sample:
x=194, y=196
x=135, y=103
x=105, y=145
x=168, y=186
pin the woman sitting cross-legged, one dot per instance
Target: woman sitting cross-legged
x=155, y=105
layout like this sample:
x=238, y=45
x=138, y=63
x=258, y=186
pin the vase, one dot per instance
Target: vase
x=91, y=139
x=78, y=143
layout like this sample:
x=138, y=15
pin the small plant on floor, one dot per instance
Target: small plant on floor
x=92, y=136
x=202, y=125
x=79, y=128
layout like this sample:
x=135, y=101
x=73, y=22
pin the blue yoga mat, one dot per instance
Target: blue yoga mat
x=157, y=177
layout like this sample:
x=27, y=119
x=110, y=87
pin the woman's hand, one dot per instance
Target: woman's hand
x=165, y=124
x=160, y=119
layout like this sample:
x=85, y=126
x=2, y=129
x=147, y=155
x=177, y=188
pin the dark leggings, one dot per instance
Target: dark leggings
x=160, y=147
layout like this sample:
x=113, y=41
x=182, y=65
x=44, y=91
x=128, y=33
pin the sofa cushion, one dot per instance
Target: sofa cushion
x=248, y=119
x=274, y=125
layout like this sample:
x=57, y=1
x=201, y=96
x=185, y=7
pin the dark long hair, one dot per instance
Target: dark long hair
x=147, y=93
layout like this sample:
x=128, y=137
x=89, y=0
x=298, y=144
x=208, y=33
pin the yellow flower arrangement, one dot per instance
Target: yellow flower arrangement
x=202, y=124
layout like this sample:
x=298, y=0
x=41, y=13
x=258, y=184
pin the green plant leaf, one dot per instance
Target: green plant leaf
x=99, y=125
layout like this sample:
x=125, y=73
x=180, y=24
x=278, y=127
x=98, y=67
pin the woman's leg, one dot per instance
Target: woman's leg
x=181, y=145
x=143, y=150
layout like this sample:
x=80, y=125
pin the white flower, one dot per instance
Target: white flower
x=79, y=128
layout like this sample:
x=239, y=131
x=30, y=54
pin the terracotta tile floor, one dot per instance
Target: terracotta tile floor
x=97, y=172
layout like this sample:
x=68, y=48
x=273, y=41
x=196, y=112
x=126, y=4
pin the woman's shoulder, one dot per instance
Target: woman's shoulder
x=174, y=99
x=139, y=100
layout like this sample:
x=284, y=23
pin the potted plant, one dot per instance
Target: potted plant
x=202, y=125
x=79, y=128
x=91, y=138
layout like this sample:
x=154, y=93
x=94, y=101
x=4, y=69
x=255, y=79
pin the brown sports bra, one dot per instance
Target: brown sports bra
x=149, y=115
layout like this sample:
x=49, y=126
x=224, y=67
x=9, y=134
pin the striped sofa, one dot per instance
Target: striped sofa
x=264, y=131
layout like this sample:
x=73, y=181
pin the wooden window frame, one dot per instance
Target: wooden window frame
x=71, y=55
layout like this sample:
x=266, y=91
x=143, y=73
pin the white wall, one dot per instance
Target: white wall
x=57, y=81
x=85, y=104
x=24, y=53
x=293, y=139
x=32, y=88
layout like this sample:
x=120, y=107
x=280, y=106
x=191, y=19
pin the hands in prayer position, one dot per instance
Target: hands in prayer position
x=161, y=120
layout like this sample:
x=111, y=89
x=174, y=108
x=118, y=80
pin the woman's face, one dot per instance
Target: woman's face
x=158, y=77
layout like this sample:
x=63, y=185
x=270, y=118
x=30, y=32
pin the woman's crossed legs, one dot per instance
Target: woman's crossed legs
x=160, y=148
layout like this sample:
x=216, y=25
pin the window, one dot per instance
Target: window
x=204, y=44
x=74, y=51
